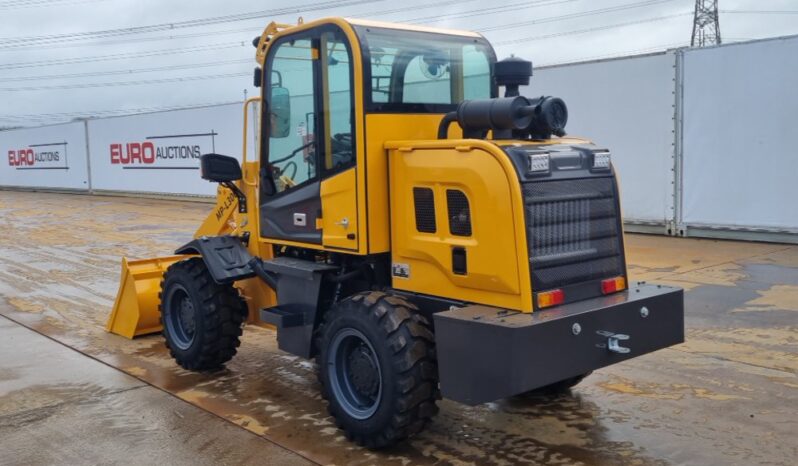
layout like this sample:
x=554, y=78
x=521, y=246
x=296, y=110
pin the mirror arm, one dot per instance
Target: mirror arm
x=242, y=198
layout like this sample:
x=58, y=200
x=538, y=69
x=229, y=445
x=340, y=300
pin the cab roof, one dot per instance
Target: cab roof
x=409, y=27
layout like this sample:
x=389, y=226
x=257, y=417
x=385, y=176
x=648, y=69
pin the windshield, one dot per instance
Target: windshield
x=424, y=72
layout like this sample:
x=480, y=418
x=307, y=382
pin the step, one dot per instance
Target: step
x=298, y=268
x=282, y=316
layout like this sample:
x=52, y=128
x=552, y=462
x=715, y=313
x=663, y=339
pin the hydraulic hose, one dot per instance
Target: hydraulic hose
x=446, y=121
x=269, y=278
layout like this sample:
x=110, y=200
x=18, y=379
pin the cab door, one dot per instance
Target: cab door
x=308, y=181
x=290, y=184
x=338, y=164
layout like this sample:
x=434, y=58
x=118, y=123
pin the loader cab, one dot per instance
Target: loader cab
x=334, y=92
x=420, y=72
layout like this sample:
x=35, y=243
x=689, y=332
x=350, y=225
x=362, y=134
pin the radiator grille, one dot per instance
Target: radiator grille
x=573, y=231
x=424, y=203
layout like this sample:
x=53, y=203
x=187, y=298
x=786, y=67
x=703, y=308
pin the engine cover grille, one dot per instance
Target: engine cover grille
x=573, y=231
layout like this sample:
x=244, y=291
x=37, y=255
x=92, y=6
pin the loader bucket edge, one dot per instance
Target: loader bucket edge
x=135, y=309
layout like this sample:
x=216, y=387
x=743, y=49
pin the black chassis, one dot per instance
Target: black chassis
x=518, y=352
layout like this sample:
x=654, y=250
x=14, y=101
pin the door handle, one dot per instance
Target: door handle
x=344, y=223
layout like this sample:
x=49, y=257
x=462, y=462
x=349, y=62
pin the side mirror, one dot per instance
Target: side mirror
x=224, y=170
x=219, y=168
x=280, y=113
x=257, y=77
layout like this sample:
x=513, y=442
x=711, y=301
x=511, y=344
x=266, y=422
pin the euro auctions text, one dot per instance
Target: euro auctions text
x=29, y=157
x=148, y=153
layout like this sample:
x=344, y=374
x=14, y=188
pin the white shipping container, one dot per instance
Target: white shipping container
x=627, y=106
x=159, y=152
x=48, y=157
x=740, y=112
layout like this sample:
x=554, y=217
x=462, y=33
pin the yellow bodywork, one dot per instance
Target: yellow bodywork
x=367, y=209
x=339, y=201
x=136, y=307
x=495, y=249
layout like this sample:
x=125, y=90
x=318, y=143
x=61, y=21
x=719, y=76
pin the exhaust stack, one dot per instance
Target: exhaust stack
x=512, y=116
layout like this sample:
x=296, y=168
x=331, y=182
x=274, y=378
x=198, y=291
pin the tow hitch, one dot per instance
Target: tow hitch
x=612, y=342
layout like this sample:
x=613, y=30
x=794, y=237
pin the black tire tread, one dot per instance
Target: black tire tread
x=224, y=312
x=410, y=338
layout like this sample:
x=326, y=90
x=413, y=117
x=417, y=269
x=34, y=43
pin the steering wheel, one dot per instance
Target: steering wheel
x=279, y=174
x=288, y=181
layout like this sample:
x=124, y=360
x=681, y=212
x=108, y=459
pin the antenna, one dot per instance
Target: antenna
x=706, y=24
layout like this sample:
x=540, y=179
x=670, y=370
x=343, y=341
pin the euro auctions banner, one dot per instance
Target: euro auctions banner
x=52, y=157
x=160, y=152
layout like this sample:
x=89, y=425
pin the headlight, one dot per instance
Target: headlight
x=539, y=162
x=601, y=159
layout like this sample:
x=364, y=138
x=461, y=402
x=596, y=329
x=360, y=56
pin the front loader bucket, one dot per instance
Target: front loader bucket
x=136, y=307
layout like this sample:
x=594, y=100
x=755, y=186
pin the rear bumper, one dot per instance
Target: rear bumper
x=485, y=353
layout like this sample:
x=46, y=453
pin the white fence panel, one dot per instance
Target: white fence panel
x=159, y=152
x=627, y=106
x=51, y=157
x=740, y=113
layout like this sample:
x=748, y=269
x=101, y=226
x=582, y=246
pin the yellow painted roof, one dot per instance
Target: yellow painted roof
x=409, y=27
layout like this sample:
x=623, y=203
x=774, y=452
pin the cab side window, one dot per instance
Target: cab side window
x=339, y=150
x=292, y=135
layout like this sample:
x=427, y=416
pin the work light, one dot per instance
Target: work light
x=539, y=162
x=601, y=159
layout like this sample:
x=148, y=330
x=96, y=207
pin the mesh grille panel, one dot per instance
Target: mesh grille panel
x=459, y=213
x=560, y=275
x=573, y=233
x=424, y=202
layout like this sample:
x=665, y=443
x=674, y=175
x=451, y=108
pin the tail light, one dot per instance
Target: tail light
x=550, y=298
x=611, y=285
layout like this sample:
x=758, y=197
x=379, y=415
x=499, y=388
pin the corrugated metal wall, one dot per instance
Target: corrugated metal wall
x=739, y=161
x=700, y=137
x=151, y=153
x=626, y=106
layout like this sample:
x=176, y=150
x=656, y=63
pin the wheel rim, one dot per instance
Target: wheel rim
x=355, y=374
x=180, y=317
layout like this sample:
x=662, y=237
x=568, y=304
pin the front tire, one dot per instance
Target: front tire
x=377, y=368
x=202, y=320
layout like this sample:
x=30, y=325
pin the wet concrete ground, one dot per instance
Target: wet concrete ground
x=729, y=395
x=59, y=407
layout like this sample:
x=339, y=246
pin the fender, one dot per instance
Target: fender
x=298, y=284
x=226, y=257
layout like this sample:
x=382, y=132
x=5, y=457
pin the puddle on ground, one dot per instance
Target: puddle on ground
x=672, y=406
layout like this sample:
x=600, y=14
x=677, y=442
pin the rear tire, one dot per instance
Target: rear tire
x=377, y=368
x=202, y=320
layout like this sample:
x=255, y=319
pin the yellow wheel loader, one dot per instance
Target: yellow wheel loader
x=415, y=233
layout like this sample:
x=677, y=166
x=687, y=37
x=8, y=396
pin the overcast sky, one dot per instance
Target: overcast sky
x=46, y=79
